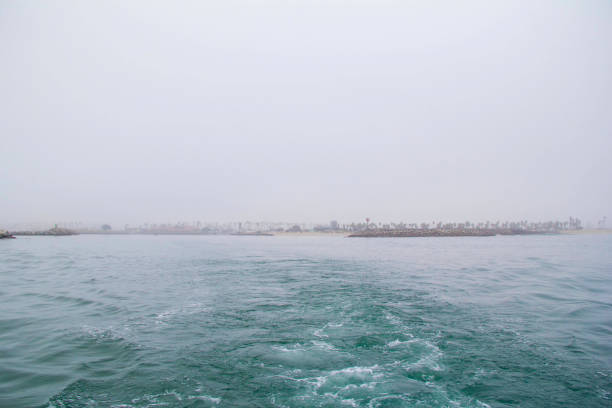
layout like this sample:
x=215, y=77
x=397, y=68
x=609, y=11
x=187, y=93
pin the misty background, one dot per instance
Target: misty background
x=147, y=111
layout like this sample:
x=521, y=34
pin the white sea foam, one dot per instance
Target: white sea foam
x=429, y=360
x=356, y=370
x=323, y=345
x=350, y=387
x=374, y=402
x=398, y=342
x=319, y=332
x=298, y=347
x=292, y=349
x=165, y=314
x=155, y=398
x=173, y=393
x=342, y=375
x=361, y=373
x=158, y=398
x=214, y=400
x=392, y=318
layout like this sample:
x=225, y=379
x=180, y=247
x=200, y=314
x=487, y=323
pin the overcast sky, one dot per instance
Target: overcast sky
x=140, y=111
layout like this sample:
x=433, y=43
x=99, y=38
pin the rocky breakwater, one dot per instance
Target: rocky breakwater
x=6, y=235
x=54, y=232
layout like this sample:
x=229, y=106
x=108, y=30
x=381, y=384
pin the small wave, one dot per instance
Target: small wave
x=397, y=342
x=214, y=400
x=338, y=378
x=184, y=310
x=356, y=370
x=377, y=402
x=173, y=396
x=316, y=345
x=319, y=332
x=99, y=334
x=77, y=301
x=350, y=402
x=296, y=348
x=323, y=345
x=392, y=318
x=429, y=361
x=343, y=379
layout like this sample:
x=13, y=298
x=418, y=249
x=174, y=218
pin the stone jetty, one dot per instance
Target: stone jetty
x=6, y=235
x=54, y=232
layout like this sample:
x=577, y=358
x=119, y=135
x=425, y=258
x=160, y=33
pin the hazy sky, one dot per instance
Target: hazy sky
x=136, y=111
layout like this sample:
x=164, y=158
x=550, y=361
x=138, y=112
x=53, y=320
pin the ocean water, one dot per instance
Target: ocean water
x=211, y=321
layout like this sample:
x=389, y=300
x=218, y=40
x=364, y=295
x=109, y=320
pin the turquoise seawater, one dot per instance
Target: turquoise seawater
x=197, y=321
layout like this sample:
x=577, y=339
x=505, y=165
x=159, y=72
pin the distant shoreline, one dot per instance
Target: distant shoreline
x=588, y=231
x=415, y=233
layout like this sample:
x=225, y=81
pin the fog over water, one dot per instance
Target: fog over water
x=309, y=111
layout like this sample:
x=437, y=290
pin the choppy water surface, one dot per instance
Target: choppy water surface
x=150, y=321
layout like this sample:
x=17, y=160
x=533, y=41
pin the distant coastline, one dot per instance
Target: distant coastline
x=354, y=230
x=589, y=231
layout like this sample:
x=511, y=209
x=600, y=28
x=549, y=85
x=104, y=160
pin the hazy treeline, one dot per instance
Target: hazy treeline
x=198, y=227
